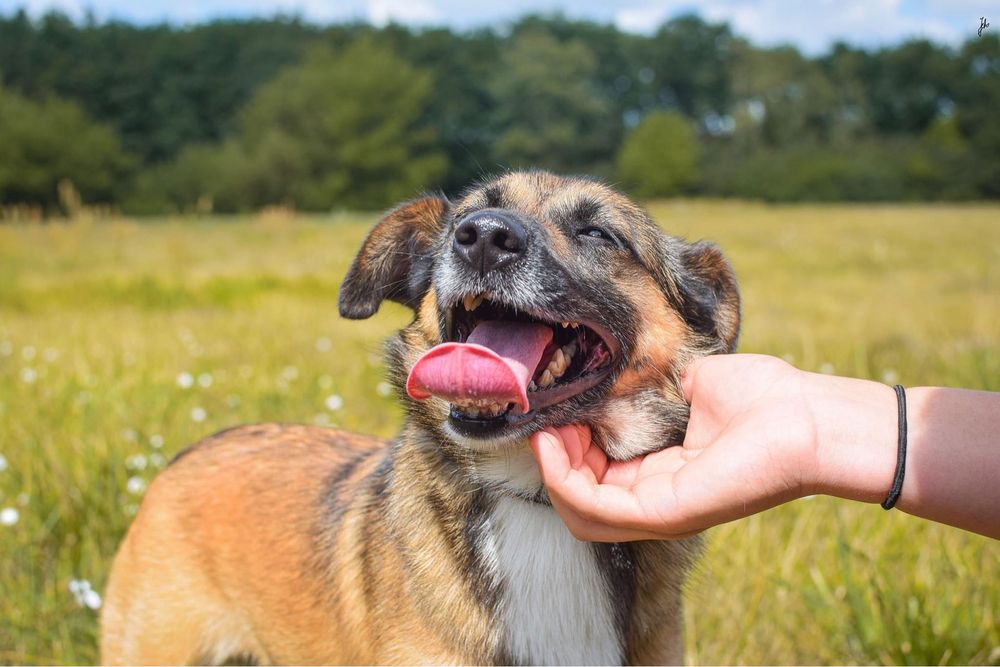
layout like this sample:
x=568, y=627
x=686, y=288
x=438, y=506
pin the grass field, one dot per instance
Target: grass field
x=122, y=342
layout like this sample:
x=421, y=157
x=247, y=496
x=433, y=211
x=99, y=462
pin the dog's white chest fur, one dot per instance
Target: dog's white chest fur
x=556, y=605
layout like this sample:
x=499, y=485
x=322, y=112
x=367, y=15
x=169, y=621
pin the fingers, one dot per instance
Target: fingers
x=592, y=531
x=554, y=459
x=591, y=510
x=688, y=378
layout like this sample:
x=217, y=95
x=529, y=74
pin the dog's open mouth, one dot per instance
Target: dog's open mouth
x=499, y=365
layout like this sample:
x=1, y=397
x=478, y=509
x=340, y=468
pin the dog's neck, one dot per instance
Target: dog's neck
x=561, y=601
x=558, y=605
x=511, y=471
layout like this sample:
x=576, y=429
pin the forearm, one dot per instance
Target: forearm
x=952, y=455
x=953, y=458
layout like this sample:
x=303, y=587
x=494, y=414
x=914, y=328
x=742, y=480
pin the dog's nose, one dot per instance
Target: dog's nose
x=490, y=240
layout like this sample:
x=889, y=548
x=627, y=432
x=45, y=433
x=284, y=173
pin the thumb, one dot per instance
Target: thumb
x=551, y=455
x=688, y=378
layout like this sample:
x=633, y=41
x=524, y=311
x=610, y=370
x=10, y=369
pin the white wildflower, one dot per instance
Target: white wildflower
x=890, y=376
x=185, y=380
x=156, y=441
x=157, y=460
x=205, y=380
x=29, y=375
x=84, y=595
x=3, y=462
x=198, y=415
x=136, y=462
x=92, y=600
x=9, y=516
x=383, y=388
x=136, y=485
x=324, y=344
x=334, y=402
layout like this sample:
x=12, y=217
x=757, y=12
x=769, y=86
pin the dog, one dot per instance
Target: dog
x=538, y=300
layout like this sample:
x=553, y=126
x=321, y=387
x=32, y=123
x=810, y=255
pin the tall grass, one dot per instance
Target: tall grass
x=120, y=343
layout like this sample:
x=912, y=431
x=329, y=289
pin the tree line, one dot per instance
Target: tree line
x=235, y=115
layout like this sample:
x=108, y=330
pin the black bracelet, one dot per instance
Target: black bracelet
x=897, y=482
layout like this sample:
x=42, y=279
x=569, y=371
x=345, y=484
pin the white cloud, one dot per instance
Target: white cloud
x=72, y=8
x=643, y=20
x=815, y=26
x=811, y=25
x=412, y=12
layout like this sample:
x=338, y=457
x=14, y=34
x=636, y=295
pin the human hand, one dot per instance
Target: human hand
x=751, y=443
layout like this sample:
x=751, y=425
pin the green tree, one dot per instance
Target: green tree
x=203, y=178
x=941, y=166
x=660, y=157
x=341, y=130
x=977, y=98
x=909, y=84
x=460, y=106
x=686, y=65
x=45, y=142
x=547, y=107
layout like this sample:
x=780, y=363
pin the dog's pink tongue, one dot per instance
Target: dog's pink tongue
x=495, y=364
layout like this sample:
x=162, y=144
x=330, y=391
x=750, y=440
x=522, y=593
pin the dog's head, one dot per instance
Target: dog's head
x=563, y=270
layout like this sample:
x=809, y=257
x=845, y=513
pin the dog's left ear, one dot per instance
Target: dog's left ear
x=704, y=286
x=394, y=261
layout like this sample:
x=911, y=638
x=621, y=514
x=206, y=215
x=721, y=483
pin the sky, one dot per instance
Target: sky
x=811, y=25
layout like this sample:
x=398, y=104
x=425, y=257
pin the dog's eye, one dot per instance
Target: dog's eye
x=601, y=235
x=595, y=233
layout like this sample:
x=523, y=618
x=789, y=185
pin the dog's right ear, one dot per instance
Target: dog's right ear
x=394, y=261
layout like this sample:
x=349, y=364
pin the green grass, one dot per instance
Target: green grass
x=99, y=323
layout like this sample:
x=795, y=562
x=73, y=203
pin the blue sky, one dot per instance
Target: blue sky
x=811, y=25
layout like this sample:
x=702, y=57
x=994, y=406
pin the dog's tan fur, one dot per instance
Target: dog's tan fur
x=295, y=544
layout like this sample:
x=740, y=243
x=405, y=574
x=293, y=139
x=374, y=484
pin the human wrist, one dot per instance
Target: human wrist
x=856, y=430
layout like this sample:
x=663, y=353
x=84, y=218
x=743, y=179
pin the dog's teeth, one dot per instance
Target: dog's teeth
x=575, y=324
x=568, y=351
x=546, y=379
x=470, y=302
x=478, y=300
x=558, y=363
x=564, y=324
x=532, y=386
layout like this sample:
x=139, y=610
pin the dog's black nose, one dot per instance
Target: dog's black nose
x=489, y=240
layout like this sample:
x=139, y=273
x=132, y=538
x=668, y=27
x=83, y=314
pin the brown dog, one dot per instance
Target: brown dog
x=539, y=300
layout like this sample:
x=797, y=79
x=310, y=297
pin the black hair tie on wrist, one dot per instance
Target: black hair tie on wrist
x=897, y=482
